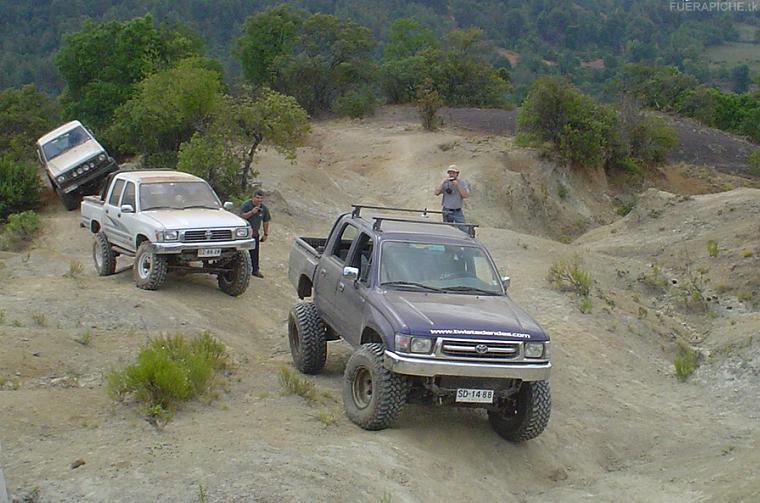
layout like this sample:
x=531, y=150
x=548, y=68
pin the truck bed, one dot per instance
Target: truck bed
x=303, y=259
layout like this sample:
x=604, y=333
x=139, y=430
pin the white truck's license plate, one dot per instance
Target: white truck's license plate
x=474, y=395
x=209, y=252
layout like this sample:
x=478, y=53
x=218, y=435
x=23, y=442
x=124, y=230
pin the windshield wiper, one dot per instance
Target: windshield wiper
x=162, y=208
x=469, y=289
x=200, y=206
x=411, y=283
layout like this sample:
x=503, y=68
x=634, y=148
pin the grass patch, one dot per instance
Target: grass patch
x=691, y=293
x=85, y=339
x=39, y=319
x=328, y=417
x=743, y=295
x=746, y=253
x=585, y=304
x=685, y=361
x=2, y=316
x=294, y=384
x=653, y=278
x=75, y=270
x=568, y=275
x=712, y=248
x=625, y=207
x=169, y=370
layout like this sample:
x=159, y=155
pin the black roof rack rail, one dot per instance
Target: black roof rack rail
x=358, y=209
x=470, y=228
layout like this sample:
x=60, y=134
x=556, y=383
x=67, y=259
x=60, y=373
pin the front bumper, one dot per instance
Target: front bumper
x=430, y=368
x=163, y=248
x=92, y=177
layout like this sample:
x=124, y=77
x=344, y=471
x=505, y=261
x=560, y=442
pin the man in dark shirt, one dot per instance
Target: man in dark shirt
x=258, y=216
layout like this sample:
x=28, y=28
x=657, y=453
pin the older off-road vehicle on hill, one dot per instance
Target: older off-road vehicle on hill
x=167, y=221
x=430, y=319
x=75, y=163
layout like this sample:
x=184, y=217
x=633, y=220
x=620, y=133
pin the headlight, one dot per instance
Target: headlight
x=101, y=157
x=171, y=235
x=534, y=349
x=242, y=232
x=79, y=170
x=60, y=179
x=86, y=167
x=421, y=345
x=90, y=165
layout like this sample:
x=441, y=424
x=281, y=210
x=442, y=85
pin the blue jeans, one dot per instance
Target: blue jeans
x=454, y=216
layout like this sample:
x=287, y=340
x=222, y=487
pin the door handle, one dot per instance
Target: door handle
x=106, y=212
x=341, y=287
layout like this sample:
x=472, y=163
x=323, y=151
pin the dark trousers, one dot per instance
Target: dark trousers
x=255, y=255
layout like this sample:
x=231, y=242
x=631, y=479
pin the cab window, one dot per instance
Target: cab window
x=343, y=243
x=129, y=195
x=116, y=193
x=362, y=257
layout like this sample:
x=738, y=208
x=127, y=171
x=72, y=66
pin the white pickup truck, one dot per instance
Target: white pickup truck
x=74, y=161
x=168, y=220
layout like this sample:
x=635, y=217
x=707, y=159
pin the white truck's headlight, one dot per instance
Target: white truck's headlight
x=534, y=349
x=421, y=345
x=102, y=157
x=243, y=232
x=60, y=179
x=171, y=235
x=80, y=170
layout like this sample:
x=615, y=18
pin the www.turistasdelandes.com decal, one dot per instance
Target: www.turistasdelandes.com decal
x=497, y=333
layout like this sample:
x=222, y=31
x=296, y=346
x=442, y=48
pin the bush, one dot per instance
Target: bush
x=754, y=162
x=685, y=361
x=19, y=187
x=20, y=227
x=356, y=103
x=292, y=383
x=651, y=140
x=569, y=276
x=428, y=103
x=712, y=248
x=168, y=371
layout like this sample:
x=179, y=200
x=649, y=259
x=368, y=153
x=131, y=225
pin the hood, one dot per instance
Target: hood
x=195, y=218
x=74, y=157
x=461, y=316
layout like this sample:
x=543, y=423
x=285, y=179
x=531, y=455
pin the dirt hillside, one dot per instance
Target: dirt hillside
x=623, y=428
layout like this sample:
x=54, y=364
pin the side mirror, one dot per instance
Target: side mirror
x=505, y=281
x=228, y=206
x=350, y=273
x=127, y=208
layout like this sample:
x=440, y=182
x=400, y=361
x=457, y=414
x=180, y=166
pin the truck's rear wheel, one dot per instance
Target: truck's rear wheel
x=236, y=280
x=103, y=255
x=149, y=270
x=527, y=416
x=307, y=338
x=372, y=395
x=70, y=201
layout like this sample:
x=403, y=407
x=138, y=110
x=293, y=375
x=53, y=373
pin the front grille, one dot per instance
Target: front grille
x=208, y=235
x=480, y=350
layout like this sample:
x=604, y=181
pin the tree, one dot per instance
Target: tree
x=330, y=58
x=740, y=78
x=25, y=115
x=167, y=109
x=428, y=103
x=268, y=119
x=406, y=38
x=102, y=63
x=266, y=36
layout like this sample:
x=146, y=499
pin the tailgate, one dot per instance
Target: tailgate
x=304, y=257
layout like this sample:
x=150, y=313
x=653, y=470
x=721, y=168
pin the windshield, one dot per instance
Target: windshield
x=65, y=142
x=437, y=267
x=177, y=195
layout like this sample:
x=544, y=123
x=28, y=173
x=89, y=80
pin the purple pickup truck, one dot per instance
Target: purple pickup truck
x=429, y=317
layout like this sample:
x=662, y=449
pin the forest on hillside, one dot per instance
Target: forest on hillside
x=586, y=40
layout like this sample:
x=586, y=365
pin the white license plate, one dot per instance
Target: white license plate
x=209, y=252
x=475, y=395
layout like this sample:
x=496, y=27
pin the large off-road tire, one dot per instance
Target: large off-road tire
x=528, y=416
x=149, y=270
x=236, y=281
x=103, y=255
x=372, y=395
x=70, y=201
x=307, y=337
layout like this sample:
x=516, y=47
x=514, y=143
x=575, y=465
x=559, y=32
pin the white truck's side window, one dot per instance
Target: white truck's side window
x=118, y=186
x=129, y=195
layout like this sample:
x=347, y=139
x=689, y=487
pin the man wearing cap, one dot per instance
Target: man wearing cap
x=455, y=190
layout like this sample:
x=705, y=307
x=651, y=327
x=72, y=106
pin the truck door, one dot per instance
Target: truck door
x=112, y=223
x=351, y=295
x=330, y=272
x=125, y=218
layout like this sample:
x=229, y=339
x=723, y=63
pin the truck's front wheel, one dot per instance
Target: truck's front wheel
x=372, y=395
x=526, y=416
x=103, y=255
x=149, y=270
x=70, y=201
x=307, y=338
x=236, y=280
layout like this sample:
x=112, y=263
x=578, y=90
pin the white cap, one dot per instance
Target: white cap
x=453, y=167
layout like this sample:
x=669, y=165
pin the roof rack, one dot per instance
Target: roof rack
x=358, y=209
x=468, y=228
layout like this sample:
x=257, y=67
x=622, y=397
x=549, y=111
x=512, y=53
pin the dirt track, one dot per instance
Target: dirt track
x=622, y=429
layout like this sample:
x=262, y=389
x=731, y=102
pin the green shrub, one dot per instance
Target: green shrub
x=570, y=276
x=685, y=361
x=168, y=371
x=712, y=248
x=653, y=278
x=20, y=227
x=292, y=383
x=754, y=162
x=651, y=139
x=356, y=103
x=585, y=304
x=19, y=187
x=428, y=103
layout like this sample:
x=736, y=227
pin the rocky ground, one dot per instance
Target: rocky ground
x=623, y=427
